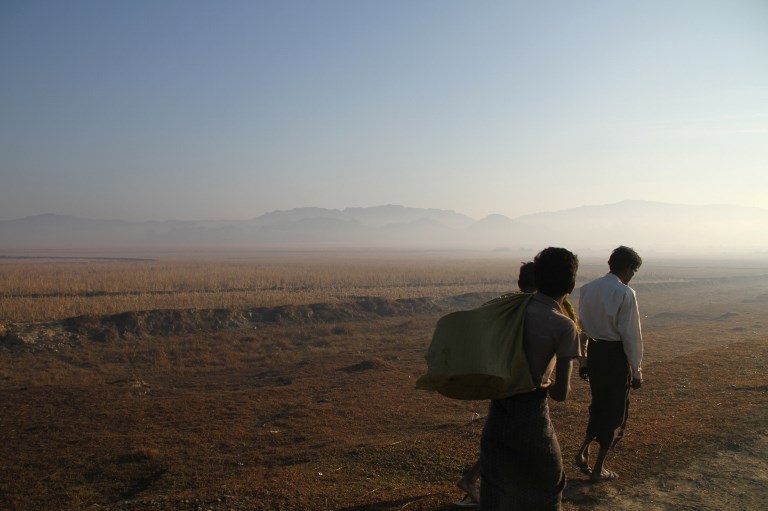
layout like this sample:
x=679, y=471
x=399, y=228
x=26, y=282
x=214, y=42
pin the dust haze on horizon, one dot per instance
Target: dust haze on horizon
x=203, y=111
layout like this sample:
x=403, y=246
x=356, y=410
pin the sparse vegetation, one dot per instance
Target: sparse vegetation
x=318, y=415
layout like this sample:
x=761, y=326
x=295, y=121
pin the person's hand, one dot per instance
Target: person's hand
x=637, y=383
x=584, y=373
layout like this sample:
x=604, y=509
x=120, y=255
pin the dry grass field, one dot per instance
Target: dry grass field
x=286, y=382
x=48, y=289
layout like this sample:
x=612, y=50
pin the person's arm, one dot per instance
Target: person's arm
x=562, y=385
x=583, y=362
x=631, y=336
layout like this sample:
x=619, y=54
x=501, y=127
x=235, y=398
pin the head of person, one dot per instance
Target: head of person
x=526, y=280
x=624, y=262
x=555, y=271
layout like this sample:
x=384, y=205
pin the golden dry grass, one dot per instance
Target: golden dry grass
x=49, y=289
x=42, y=291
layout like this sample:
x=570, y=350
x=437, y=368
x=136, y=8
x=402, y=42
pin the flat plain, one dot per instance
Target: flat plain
x=286, y=382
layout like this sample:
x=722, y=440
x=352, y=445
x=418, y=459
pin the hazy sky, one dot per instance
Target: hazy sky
x=227, y=110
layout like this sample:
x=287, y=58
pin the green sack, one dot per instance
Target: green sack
x=478, y=354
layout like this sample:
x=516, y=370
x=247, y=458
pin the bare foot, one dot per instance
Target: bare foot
x=470, y=488
x=605, y=475
x=582, y=462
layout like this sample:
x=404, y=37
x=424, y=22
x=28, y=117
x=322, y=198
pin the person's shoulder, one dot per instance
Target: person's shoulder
x=595, y=282
x=611, y=281
x=592, y=282
x=564, y=325
x=560, y=319
x=542, y=306
x=587, y=285
x=565, y=322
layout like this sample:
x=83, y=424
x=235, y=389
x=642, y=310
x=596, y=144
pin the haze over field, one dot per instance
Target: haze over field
x=656, y=229
x=204, y=117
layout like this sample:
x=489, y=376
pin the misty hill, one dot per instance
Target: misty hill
x=380, y=216
x=648, y=226
x=668, y=227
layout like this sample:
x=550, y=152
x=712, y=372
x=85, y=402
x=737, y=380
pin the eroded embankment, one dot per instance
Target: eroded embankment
x=165, y=322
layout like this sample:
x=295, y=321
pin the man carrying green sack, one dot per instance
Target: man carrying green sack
x=506, y=351
x=478, y=354
x=520, y=459
x=526, y=282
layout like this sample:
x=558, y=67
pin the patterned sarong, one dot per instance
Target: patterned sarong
x=609, y=382
x=520, y=460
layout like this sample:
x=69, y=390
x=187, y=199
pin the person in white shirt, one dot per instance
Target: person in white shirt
x=610, y=318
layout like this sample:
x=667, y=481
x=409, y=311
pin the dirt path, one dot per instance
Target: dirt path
x=731, y=479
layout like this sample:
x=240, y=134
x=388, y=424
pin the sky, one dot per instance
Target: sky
x=204, y=110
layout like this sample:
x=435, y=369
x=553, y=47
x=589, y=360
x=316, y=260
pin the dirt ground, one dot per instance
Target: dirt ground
x=735, y=477
x=284, y=414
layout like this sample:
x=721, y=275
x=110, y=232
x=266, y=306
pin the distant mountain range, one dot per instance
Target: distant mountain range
x=650, y=226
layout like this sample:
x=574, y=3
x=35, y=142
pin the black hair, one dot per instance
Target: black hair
x=556, y=271
x=526, y=280
x=623, y=258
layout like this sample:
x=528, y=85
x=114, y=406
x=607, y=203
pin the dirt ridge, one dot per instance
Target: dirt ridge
x=165, y=322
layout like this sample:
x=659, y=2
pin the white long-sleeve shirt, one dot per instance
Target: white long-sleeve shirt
x=608, y=311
